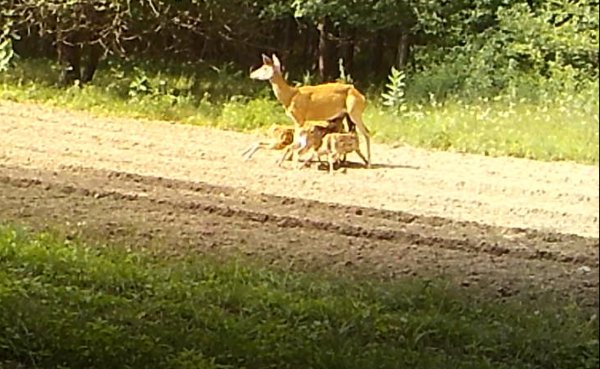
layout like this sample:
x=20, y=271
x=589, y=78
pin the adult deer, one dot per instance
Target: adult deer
x=323, y=102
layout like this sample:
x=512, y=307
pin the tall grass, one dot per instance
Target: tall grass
x=561, y=130
x=71, y=305
x=563, y=126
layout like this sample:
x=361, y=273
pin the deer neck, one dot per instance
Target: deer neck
x=283, y=91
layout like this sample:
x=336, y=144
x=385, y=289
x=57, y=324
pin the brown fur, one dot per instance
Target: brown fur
x=335, y=145
x=311, y=137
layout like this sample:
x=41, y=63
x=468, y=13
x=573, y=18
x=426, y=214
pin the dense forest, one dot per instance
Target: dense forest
x=482, y=47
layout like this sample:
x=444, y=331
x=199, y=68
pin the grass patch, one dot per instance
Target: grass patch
x=564, y=130
x=66, y=304
x=561, y=127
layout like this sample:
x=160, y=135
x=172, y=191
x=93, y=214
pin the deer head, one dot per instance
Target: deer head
x=269, y=68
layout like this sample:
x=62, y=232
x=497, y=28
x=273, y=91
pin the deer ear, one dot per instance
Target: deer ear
x=276, y=62
x=267, y=60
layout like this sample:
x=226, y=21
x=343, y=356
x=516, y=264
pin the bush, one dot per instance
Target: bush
x=527, y=54
x=246, y=114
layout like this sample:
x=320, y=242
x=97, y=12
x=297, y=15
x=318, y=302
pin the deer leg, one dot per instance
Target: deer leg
x=331, y=158
x=362, y=157
x=350, y=125
x=260, y=145
x=288, y=150
x=319, y=158
x=251, y=150
x=307, y=162
x=355, y=105
x=351, y=128
x=360, y=125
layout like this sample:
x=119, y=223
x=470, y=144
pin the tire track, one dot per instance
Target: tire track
x=510, y=226
x=532, y=244
x=504, y=192
x=175, y=217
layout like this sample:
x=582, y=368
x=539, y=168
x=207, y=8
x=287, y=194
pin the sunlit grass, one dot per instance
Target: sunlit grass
x=561, y=127
x=555, y=131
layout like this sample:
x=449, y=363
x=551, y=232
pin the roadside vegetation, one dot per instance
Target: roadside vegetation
x=562, y=127
x=68, y=304
x=498, y=78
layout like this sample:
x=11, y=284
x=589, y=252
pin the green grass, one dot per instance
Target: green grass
x=65, y=304
x=565, y=130
x=561, y=127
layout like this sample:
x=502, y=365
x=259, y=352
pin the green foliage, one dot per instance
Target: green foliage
x=353, y=14
x=247, y=114
x=455, y=49
x=532, y=54
x=308, y=78
x=562, y=128
x=66, y=304
x=140, y=84
x=393, y=97
x=344, y=77
x=524, y=122
x=124, y=27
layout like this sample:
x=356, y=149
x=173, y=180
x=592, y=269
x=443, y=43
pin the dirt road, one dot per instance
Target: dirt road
x=511, y=226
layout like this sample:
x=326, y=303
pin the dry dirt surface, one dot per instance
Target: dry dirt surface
x=511, y=227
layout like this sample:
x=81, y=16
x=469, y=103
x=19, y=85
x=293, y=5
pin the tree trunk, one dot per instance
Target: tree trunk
x=69, y=57
x=377, y=53
x=403, y=51
x=94, y=52
x=288, y=36
x=309, y=49
x=349, y=52
x=325, y=67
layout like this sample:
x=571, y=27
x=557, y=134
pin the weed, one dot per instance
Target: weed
x=71, y=305
x=393, y=97
x=553, y=126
